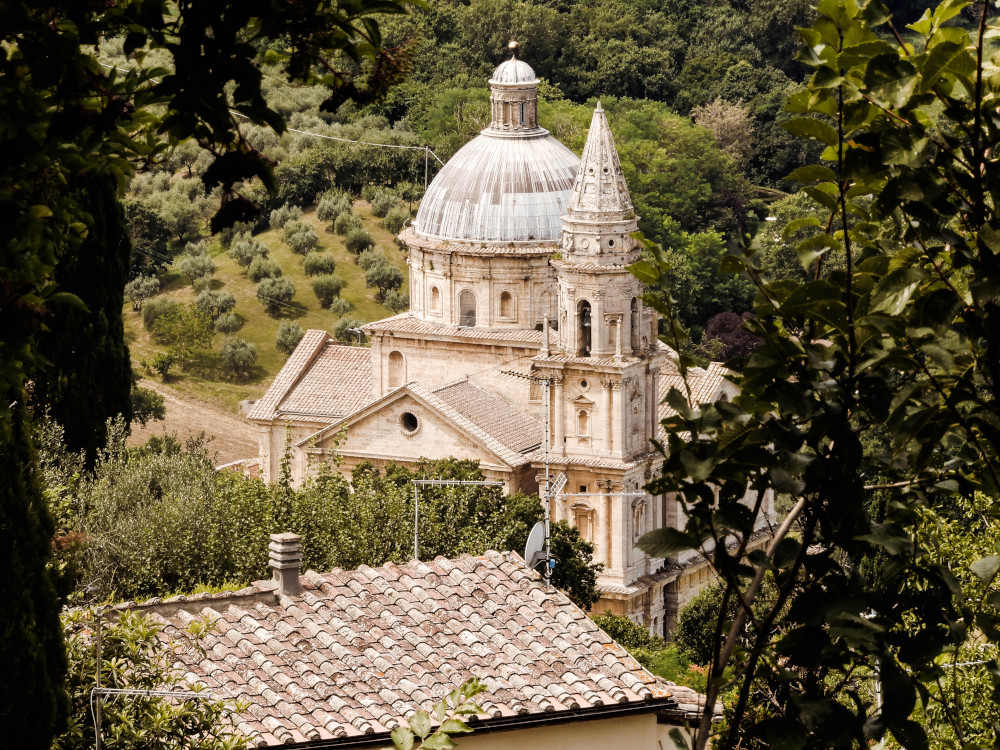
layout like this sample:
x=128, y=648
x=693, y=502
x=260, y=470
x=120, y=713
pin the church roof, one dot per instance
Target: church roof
x=359, y=650
x=320, y=381
x=707, y=384
x=407, y=323
x=500, y=187
x=600, y=190
x=494, y=415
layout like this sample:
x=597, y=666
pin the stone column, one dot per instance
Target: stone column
x=616, y=533
x=559, y=419
x=609, y=416
x=617, y=418
x=602, y=533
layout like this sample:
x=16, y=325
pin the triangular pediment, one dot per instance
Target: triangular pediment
x=411, y=424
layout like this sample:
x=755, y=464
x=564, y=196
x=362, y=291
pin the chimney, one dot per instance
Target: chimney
x=286, y=558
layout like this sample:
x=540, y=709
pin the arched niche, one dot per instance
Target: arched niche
x=585, y=328
x=397, y=369
x=467, y=309
x=508, y=307
x=435, y=301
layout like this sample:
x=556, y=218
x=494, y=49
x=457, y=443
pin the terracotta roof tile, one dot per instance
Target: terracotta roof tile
x=336, y=662
x=321, y=380
x=493, y=415
x=407, y=323
x=705, y=384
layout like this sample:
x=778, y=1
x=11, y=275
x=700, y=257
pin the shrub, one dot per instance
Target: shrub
x=371, y=257
x=395, y=219
x=263, y=268
x=332, y=204
x=162, y=364
x=695, y=632
x=274, y=294
x=300, y=237
x=358, y=240
x=283, y=215
x=383, y=277
x=342, y=331
x=327, y=287
x=156, y=308
x=239, y=355
x=147, y=405
x=229, y=235
x=383, y=203
x=319, y=263
x=345, y=223
x=186, y=329
x=340, y=306
x=140, y=289
x=395, y=301
x=228, y=323
x=290, y=334
x=368, y=192
x=245, y=249
x=215, y=302
x=195, y=265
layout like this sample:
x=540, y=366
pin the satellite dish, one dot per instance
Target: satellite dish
x=533, y=549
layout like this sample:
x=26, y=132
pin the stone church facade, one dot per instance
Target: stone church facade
x=521, y=304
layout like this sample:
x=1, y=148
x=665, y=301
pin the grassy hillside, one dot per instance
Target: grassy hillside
x=205, y=378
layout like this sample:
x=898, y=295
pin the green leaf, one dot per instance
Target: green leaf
x=812, y=173
x=438, y=742
x=811, y=129
x=420, y=723
x=666, y=542
x=454, y=726
x=402, y=738
x=731, y=264
x=796, y=224
x=986, y=568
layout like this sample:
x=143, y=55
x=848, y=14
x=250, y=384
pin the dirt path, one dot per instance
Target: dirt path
x=231, y=436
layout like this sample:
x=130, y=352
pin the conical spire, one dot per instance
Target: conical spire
x=600, y=188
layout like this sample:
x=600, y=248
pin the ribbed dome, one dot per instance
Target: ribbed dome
x=499, y=188
x=513, y=71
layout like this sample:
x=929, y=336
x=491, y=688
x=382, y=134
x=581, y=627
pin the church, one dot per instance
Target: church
x=526, y=348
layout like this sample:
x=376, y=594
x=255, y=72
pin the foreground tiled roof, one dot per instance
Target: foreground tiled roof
x=321, y=380
x=493, y=414
x=359, y=650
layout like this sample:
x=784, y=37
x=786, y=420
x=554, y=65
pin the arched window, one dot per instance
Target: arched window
x=583, y=423
x=435, y=301
x=507, y=306
x=397, y=370
x=467, y=309
x=634, y=325
x=583, y=335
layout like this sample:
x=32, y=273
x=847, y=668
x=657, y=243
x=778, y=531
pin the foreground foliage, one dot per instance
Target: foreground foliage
x=872, y=401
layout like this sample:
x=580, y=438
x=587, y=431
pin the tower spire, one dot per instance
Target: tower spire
x=600, y=191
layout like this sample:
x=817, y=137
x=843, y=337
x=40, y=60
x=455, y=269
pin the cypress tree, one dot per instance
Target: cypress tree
x=87, y=378
x=33, y=702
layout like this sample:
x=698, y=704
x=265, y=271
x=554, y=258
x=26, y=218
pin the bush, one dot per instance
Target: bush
x=358, y=240
x=368, y=192
x=371, y=257
x=140, y=289
x=396, y=302
x=239, y=355
x=383, y=203
x=283, y=215
x=342, y=331
x=155, y=309
x=345, y=223
x=340, y=306
x=147, y=405
x=395, y=219
x=162, y=364
x=274, y=294
x=215, y=303
x=263, y=268
x=695, y=632
x=327, y=287
x=229, y=235
x=245, y=250
x=228, y=323
x=290, y=334
x=319, y=263
x=195, y=265
x=332, y=204
x=383, y=277
x=300, y=237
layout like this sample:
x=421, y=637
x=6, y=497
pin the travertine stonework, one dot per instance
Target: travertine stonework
x=521, y=303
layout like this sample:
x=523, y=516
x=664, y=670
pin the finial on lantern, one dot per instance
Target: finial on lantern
x=513, y=47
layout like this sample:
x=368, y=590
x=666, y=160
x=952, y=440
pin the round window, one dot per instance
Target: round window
x=611, y=243
x=584, y=384
x=409, y=422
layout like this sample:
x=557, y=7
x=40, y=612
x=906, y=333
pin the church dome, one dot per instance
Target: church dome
x=499, y=188
x=513, y=71
x=512, y=182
